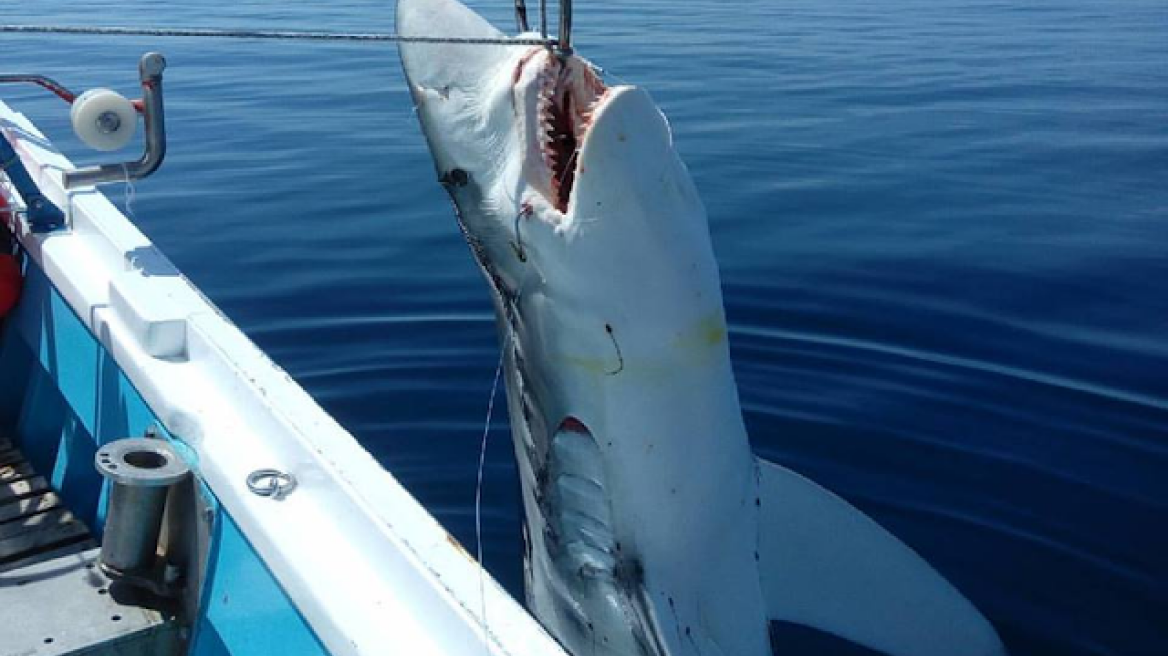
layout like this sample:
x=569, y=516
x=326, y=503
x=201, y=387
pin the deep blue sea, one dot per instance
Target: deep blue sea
x=942, y=227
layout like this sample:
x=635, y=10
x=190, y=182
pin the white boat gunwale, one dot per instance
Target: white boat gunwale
x=364, y=563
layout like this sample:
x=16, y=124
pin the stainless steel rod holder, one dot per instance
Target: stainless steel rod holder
x=150, y=72
x=141, y=472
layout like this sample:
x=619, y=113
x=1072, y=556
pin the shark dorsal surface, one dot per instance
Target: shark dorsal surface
x=649, y=526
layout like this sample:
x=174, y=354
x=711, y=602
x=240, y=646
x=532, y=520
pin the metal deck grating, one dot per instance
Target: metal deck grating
x=34, y=523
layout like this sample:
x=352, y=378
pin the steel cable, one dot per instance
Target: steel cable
x=268, y=34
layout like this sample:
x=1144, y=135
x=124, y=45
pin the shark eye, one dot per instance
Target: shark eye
x=455, y=178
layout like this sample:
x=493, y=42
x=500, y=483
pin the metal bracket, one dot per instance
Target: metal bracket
x=150, y=72
x=564, y=45
x=42, y=215
x=521, y=16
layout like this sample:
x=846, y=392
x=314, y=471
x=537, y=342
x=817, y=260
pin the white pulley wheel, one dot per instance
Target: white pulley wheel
x=104, y=119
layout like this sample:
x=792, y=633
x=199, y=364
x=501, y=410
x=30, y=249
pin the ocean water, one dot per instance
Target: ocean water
x=942, y=227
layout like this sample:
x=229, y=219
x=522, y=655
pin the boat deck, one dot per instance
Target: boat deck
x=54, y=599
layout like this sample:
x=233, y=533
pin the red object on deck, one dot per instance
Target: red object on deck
x=10, y=280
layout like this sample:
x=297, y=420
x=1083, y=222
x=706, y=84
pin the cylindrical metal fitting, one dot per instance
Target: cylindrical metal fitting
x=141, y=472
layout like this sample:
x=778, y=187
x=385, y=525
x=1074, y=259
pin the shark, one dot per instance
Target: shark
x=650, y=528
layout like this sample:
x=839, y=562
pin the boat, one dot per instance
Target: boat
x=165, y=488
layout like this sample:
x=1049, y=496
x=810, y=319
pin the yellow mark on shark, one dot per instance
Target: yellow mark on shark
x=693, y=345
x=590, y=365
x=708, y=331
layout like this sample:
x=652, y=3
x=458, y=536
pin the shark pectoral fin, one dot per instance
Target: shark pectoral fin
x=826, y=565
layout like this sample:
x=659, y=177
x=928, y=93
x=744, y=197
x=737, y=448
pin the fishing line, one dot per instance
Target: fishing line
x=526, y=210
x=129, y=193
x=479, y=490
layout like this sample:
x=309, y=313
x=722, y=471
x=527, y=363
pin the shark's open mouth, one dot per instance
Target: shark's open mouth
x=568, y=95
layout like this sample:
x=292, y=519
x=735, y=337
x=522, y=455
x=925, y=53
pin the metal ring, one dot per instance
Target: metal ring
x=271, y=483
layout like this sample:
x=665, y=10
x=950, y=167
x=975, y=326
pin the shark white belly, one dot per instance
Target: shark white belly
x=650, y=527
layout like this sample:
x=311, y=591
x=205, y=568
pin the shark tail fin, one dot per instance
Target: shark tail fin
x=826, y=565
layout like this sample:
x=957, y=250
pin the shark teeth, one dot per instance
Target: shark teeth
x=568, y=96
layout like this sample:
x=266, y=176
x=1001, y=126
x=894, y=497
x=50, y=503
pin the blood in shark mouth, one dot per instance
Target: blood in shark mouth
x=569, y=95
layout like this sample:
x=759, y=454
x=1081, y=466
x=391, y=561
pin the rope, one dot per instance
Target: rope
x=267, y=34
